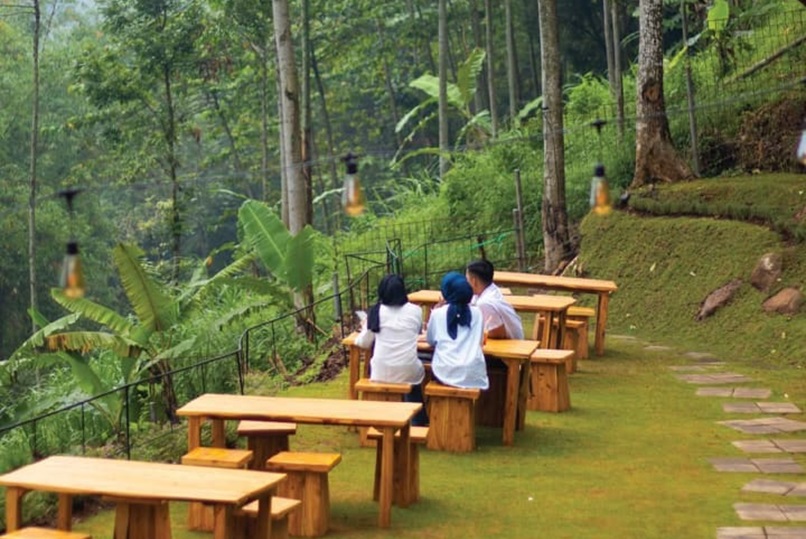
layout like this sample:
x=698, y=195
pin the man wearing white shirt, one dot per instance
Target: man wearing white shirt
x=500, y=319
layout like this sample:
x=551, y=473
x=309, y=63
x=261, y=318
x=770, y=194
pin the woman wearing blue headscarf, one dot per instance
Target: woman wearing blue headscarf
x=456, y=331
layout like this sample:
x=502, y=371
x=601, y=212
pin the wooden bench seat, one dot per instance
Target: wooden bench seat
x=200, y=516
x=575, y=311
x=43, y=533
x=307, y=481
x=265, y=439
x=280, y=511
x=549, y=381
x=370, y=390
x=417, y=436
x=452, y=417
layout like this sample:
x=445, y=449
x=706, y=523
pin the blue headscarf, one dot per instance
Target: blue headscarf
x=458, y=293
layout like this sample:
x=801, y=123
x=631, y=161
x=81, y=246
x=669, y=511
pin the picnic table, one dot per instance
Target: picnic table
x=141, y=491
x=554, y=310
x=601, y=288
x=515, y=354
x=386, y=417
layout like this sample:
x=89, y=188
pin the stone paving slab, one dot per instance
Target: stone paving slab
x=766, y=532
x=765, y=425
x=757, y=446
x=791, y=446
x=715, y=378
x=692, y=368
x=760, y=408
x=740, y=464
x=700, y=355
x=736, y=392
x=769, y=486
x=657, y=348
x=760, y=511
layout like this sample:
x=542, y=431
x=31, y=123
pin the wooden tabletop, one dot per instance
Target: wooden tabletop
x=500, y=348
x=536, y=303
x=574, y=284
x=299, y=410
x=146, y=480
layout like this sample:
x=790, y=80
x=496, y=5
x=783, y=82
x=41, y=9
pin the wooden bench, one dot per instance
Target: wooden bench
x=265, y=439
x=307, y=481
x=201, y=516
x=417, y=436
x=280, y=510
x=43, y=533
x=452, y=418
x=549, y=381
x=370, y=390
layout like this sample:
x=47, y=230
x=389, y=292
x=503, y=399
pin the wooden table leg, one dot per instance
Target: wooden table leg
x=548, y=323
x=523, y=393
x=601, y=322
x=511, y=401
x=194, y=432
x=355, y=369
x=219, y=433
x=263, y=524
x=225, y=522
x=64, y=517
x=387, y=477
x=404, y=446
x=560, y=332
x=14, y=508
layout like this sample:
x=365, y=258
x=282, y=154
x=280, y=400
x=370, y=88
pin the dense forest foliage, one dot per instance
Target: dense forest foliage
x=165, y=115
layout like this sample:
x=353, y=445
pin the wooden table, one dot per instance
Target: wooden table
x=553, y=308
x=570, y=284
x=387, y=417
x=513, y=353
x=141, y=490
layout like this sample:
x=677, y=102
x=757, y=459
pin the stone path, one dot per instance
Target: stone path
x=705, y=373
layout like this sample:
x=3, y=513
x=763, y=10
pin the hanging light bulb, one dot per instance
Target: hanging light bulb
x=600, y=192
x=352, y=196
x=72, y=279
x=801, y=154
x=72, y=276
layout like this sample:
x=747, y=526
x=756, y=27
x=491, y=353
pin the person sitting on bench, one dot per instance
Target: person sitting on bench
x=456, y=331
x=500, y=319
x=393, y=325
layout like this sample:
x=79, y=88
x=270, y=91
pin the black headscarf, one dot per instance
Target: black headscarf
x=391, y=292
x=458, y=293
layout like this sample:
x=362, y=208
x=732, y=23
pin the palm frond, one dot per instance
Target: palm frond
x=94, y=311
x=265, y=233
x=86, y=341
x=153, y=307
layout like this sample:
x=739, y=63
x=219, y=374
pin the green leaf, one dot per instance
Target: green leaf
x=430, y=85
x=95, y=312
x=467, y=75
x=38, y=338
x=718, y=15
x=677, y=57
x=529, y=107
x=154, y=308
x=413, y=112
x=86, y=341
x=299, y=260
x=266, y=234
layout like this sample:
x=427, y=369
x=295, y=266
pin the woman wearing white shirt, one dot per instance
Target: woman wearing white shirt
x=456, y=332
x=393, y=325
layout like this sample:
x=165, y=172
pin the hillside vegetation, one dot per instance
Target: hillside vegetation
x=667, y=265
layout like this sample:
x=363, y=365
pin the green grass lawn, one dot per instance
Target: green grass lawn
x=629, y=460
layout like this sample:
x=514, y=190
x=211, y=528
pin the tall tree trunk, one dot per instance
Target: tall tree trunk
x=533, y=68
x=655, y=157
x=290, y=105
x=618, y=87
x=34, y=157
x=608, y=39
x=554, y=216
x=387, y=75
x=263, y=69
x=282, y=140
x=488, y=13
x=479, y=99
x=512, y=64
x=307, y=128
x=212, y=96
x=443, y=89
x=331, y=149
x=173, y=165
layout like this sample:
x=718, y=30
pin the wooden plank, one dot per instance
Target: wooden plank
x=535, y=303
x=295, y=461
x=387, y=477
x=572, y=284
x=601, y=324
x=64, y=516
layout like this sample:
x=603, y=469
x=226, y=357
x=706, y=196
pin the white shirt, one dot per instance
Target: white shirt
x=394, y=359
x=458, y=362
x=498, y=312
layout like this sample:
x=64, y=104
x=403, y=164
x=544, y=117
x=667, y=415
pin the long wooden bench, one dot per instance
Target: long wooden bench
x=307, y=481
x=370, y=390
x=43, y=533
x=281, y=508
x=200, y=516
x=452, y=418
x=549, y=381
x=265, y=439
x=417, y=436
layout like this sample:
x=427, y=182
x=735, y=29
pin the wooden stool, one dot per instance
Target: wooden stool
x=307, y=481
x=417, y=436
x=378, y=391
x=201, y=516
x=280, y=509
x=265, y=439
x=581, y=314
x=452, y=418
x=549, y=381
x=43, y=533
x=576, y=339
